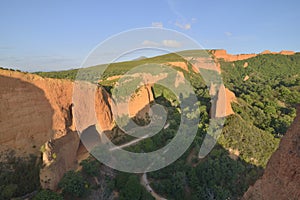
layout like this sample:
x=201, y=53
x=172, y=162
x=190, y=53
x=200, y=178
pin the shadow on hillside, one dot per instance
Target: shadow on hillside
x=25, y=117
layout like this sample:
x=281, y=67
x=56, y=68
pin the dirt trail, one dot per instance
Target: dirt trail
x=146, y=184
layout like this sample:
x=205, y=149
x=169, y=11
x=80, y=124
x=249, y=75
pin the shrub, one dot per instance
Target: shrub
x=47, y=195
x=73, y=184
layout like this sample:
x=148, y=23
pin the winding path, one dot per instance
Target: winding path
x=146, y=184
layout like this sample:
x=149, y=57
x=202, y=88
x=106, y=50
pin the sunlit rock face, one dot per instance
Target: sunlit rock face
x=281, y=179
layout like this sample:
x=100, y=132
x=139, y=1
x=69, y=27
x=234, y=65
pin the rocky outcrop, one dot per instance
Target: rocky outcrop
x=281, y=179
x=285, y=52
x=198, y=63
x=139, y=103
x=223, y=97
x=60, y=156
x=222, y=54
x=246, y=78
x=92, y=105
x=182, y=65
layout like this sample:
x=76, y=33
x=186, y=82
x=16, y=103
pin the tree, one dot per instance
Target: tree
x=91, y=167
x=47, y=195
x=132, y=189
x=8, y=191
x=73, y=184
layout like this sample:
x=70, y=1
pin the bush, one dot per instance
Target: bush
x=73, y=184
x=47, y=195
x=14, y=181
x=91, y=167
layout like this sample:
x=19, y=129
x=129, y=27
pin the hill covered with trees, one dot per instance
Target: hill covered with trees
x=267, y=88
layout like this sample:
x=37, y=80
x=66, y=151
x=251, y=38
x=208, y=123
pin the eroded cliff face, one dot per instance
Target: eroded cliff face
x=33, y=110
x=221, y=107
x=281, y=179
x=38, y=112
x=221, y=53
x=139, y=104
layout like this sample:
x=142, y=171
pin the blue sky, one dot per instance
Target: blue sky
x=52, y=35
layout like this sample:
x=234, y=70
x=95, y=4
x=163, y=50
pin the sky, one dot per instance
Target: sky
x=54, y=35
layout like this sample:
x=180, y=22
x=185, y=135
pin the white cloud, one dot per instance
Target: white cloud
x=171, y=43
x=163, y=43
x=185, y=26
x=150, y=43
x=157, y=24
x=228, y=33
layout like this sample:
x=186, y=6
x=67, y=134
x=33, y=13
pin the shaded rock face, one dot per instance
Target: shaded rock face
x=25, y=116
x=59, y=157
x=281, y=179
x=56, y=98
x=91, y=106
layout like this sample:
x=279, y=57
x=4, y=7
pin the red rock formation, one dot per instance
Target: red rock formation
x=139, y=103
x=230, y=98
x=103, y=109
x=224, y=98
x=266, y=52
x=229, y=57
x=246, y=78
x=182, y=65
x=222, y=54
x=39, y=109
x=285, y=52
x=33, y=110
x=91, y=106
x=281, y=179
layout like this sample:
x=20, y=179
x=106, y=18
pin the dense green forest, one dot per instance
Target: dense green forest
x=268, y=97
x=267, y=88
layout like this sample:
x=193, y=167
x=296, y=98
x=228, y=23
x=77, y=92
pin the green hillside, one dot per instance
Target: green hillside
x=264, y=110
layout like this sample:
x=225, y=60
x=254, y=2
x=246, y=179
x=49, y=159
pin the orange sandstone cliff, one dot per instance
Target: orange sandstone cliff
x=222, y=54
x=36, y=114
x=281, y=179
x=33, y=110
